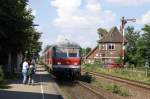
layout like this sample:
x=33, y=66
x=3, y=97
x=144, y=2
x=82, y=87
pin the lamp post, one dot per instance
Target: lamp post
x=123, y=22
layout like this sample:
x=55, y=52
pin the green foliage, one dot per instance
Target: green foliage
x=138, y=49
x=85, y=51
x=124, y=92
x=97, y=62
x=17, y=33
x=102, y=32
x=14, y=21
x=112, y=87
x=88, y=49
x=130, y=73
x=117, y=90
x=146, y=40
x=88, y=65
x=119, y=60
x=132, y=38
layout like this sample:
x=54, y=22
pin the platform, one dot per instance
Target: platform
x=43, y=88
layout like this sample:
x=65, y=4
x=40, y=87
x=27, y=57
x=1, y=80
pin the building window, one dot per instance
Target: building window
x=111, y=46
x=96, y=55
x=109, y=61
x=103, y=47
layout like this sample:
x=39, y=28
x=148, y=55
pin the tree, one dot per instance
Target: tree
x=146, y=40
x=88, y=49
x=132, y=38
x=102, y=32
x=17, y=33
x=141, y=52
x=138, y=49
x=85, y=51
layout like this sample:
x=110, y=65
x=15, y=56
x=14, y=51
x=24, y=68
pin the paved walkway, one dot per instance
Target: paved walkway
x=44, y=88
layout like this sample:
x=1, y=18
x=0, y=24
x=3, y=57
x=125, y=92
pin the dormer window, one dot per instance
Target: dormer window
x=111, y=46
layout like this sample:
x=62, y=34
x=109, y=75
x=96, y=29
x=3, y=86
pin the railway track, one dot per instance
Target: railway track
x=82, y=84
x=122, y=80
x=79, y=90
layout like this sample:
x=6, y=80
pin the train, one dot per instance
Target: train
x=63, y=59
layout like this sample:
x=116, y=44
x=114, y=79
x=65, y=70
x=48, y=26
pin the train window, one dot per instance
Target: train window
x=72, y=54
x=60, y=53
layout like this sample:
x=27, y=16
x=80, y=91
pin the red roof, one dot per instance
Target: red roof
x=114, y=36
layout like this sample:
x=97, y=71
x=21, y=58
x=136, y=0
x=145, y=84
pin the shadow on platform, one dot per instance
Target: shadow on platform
x=26, y=95
x=46, y=78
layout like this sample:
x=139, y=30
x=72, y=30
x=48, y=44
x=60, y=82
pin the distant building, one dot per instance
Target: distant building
x=108, y=49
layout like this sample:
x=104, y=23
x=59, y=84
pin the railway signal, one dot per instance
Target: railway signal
x=123, y=22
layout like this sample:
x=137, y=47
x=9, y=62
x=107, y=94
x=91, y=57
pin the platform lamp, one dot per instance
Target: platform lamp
x=123, y=22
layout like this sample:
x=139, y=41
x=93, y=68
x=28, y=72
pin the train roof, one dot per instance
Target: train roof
x=67, y=44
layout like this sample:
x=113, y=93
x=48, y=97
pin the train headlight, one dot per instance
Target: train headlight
x=75, y=63
x=59, y=63
x=67, y=62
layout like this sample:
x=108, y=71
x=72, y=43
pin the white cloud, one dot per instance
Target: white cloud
x=81, y=22
x=129, y=2
x=145, y=19
x=61, y=38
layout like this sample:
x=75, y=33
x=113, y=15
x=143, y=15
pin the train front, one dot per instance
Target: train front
x=66, y=60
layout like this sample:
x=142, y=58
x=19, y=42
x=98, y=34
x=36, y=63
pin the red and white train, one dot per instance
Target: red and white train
x=63, y=59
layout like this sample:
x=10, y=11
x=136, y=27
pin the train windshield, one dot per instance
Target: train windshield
x=64, y=53
x=73, y=52
x=61, y=53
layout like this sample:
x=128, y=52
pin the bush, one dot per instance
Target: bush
x=117, y=90
x=1, y=74
x=86, y=78
x=119, y=60
x=97, y=62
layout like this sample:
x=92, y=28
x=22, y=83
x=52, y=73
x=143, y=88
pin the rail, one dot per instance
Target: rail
x=122, y=80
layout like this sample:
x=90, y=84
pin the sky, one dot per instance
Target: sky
x=78, y=20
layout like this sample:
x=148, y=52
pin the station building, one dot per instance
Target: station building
x=108, y=49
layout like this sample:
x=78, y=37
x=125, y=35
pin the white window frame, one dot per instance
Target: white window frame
x=96, y=54
x=111, y=44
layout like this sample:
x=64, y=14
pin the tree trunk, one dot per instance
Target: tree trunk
x=9, y=62
x=19, y=61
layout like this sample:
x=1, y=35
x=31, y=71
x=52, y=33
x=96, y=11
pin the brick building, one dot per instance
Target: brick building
x=108, y=49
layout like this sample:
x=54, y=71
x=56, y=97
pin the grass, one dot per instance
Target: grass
x=111, y=87
x=117, y=90
x=124, y=73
